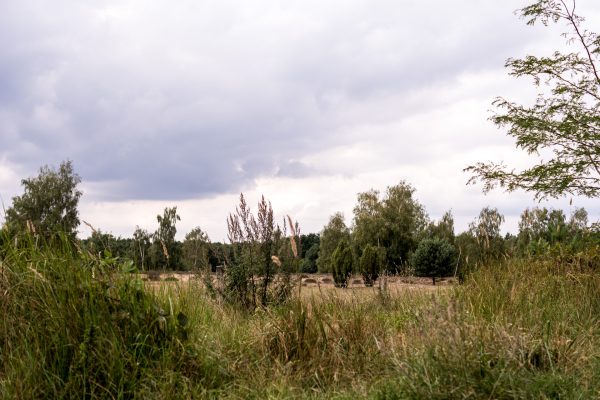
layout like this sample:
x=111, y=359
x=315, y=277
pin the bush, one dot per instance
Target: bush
x=309, y=262
x=341, y=262
x=370, y=264
x=434, y=258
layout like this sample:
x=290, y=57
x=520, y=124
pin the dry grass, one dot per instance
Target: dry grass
x=519, y=330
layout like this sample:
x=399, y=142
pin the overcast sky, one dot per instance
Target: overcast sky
x=190, y=102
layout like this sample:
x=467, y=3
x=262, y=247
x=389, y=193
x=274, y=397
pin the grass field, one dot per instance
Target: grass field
x=73, y=329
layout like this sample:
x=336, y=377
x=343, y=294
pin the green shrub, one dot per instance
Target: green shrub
x=434, y=258
x=341, y=262
x=309, y=262
x=370, y=264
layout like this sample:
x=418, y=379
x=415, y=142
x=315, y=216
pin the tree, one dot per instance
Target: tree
x=165, y=250
x=369, y=223
x=309, y=262
x=370, y=264
x=140, y=247
x=486, y=230
x=48, y=204
x=444, y=228
x=341, y=264
x=394, y=223
x=540, y=228
x=333, y=233
x=308, y=241
x=195, y=249
x=564, y=122
x=542, y=224
x=434, y=258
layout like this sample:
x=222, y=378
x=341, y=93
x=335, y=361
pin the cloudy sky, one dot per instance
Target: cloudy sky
x=190, y=102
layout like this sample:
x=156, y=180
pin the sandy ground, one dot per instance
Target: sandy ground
x=314, y=283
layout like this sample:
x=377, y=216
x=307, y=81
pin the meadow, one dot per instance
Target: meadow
x=74, y=326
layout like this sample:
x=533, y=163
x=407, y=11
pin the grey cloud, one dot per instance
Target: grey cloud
x=197, y=99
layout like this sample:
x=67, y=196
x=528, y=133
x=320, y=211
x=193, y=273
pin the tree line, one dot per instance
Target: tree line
x=390, y=233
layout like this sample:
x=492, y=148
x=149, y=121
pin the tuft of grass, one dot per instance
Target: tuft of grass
x=74, y=327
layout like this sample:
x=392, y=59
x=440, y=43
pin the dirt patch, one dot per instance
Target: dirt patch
x=311, y=281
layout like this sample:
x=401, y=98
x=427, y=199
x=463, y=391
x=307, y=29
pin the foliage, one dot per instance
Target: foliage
x=309, y=262
x=309, y=253
x=369, y=223
x=218, y=254
x=100, y=243
x=308, y=241
x=49, y=203
x=332, y=235
x=341, y=264
x=257, y=245
x=195, y=249
x=486, y=230
x=443, y=229
x=564, y=123
x=434, y=258
x=73, y=328
x=370, y=264
x=482, y=243
x=547, y=234
x=140, y=248
x=396, y=222
x=165, y=251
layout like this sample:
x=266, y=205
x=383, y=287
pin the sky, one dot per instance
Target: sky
x=189, y=103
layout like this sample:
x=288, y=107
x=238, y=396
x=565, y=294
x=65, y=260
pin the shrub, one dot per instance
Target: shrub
x=258, y=271
x=370, y=264
x=341, y=262
x=434, y=258
x=309, y=262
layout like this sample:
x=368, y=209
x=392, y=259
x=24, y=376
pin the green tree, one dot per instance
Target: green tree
x=48, y=204
x=333, y=233
x=540, y=229
x=309, y=262
x=370, y=264
x=434, y=258
x=486, y=231
x=165, y=249
x=444, y=228
x=113, y=250
x=195, y=250
x=563, y=125
x=405, y=221
x=395, y=222
x=140, y=248
x=369, y=224
x=341, y=264
x=308, y=241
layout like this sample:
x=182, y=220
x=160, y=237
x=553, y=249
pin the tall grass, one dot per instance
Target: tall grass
x=73, y=327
